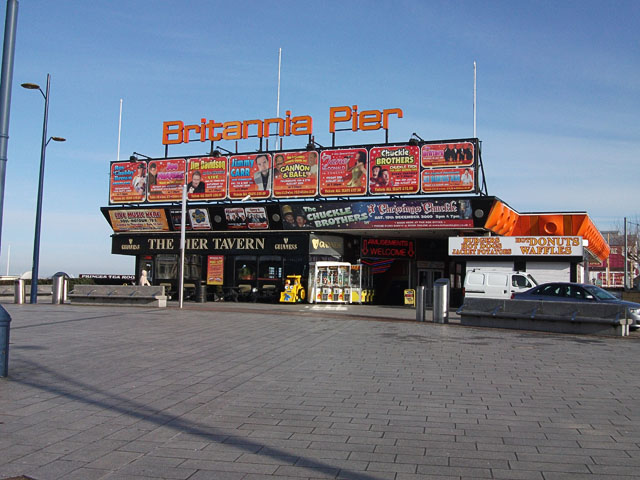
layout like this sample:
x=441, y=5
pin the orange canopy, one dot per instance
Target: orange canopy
x=505, y=221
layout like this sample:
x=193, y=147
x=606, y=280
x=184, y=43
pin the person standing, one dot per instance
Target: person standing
x=144, y=280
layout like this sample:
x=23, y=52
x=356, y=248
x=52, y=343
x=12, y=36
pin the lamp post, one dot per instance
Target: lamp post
x=45, y=142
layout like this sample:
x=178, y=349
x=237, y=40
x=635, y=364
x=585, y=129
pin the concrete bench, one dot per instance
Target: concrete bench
x=557, y=317
x=152, y=296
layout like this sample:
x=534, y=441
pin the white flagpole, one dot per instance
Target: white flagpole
x=474, y=100
x=278, y=102
x=183, y=224
x=119, y=131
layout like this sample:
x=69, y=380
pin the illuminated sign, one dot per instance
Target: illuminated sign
x=388, y=248
x=516, y=246
x=176, y=132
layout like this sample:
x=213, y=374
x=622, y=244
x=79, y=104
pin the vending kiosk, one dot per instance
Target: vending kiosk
x=330, y=282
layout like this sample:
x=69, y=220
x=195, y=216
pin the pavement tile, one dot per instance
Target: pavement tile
x=54, y=470
x=259, y=391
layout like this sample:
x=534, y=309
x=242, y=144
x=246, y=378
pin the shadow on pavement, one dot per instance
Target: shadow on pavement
x=69, y=388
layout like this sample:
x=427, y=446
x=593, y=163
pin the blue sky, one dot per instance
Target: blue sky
x=558, y=97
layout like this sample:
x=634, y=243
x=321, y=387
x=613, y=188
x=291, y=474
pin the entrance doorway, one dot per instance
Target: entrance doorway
x=426, y=279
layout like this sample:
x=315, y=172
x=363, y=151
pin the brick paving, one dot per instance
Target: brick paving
x=239, y=391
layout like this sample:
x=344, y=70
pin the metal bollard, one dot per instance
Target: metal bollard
x=420, y=303
x=201, y=292
x=441, y=301
x=5, y=321
x=57, y=289
x=18, y=293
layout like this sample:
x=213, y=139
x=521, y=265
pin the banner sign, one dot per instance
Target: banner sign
x=392, y=214
x=343, y=172
x=166, y=184
x=215, y=269
x=388, y=248
x=295, y=174
x=207, y=178
x=250, y=175
x=447, y=154
x=447, y=180
x=152, y=220
x=394, y=170
x=516, y=246
x=128, y=182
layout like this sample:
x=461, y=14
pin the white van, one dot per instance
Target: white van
x=496, y=284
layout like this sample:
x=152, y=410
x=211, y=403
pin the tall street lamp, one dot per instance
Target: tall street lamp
x=45, y=142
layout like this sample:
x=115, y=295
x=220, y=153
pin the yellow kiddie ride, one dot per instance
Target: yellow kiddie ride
x=293, y=290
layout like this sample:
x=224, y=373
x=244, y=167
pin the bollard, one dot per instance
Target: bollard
x=441, y=301
x=420, y=303
x=201, y=292
x=57, y=289
x=18, y=294
x=5, y=321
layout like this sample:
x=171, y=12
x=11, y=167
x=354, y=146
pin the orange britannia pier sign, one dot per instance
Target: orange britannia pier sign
x=175, y=132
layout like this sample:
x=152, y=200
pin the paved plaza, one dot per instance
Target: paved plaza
x=249, y=391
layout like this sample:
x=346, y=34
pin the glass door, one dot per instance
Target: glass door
x=426, y=278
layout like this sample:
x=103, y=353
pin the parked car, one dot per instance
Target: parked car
x=496, y=284
x=577, y=292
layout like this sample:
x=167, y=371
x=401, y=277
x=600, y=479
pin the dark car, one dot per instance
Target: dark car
x=577, y=292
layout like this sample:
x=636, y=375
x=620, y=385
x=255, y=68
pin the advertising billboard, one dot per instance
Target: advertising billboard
x=199, y=219
x=295, y=174
x=165, y=185
x=215, y=269
x=252, y=218
x=394, y=170
x=250, y=175
x=436, y=180
x=128, y=182
x=397, y=169
x=343, y=172
x=207, y=178
x=447, y=154
x=136, y=220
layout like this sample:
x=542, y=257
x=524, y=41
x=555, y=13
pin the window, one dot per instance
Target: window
x=552, y=290
x=521, y=281
x=245, y=269
x=270, y=269
x=192, y=267
x=166, y=267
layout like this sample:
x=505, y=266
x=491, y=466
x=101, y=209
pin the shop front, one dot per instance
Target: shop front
x=357, y=223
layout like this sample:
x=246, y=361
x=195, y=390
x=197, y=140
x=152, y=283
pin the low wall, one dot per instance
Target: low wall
x=152, y=296
x=557, y=317
x=631, y=296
